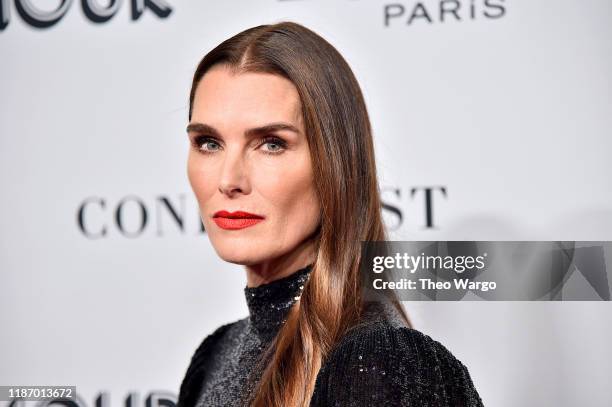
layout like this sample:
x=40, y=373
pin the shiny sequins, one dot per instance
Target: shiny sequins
x=380, y=363
x=237, y=353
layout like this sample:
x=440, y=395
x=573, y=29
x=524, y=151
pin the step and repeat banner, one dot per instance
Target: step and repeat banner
x=492, y=121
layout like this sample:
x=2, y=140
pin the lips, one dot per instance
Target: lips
x=236, y=220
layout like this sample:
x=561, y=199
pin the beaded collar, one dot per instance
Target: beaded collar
x=269, y=303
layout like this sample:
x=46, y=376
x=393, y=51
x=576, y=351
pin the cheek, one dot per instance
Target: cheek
x=292, y=196
x=200, y=177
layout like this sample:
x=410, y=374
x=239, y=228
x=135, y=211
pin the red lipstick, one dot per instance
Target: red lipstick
x=236, y=220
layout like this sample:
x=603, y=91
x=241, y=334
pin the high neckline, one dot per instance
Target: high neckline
x=269, y=303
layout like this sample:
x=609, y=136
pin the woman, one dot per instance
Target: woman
x=282, y=165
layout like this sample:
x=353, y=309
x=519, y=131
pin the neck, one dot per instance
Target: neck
x=283, y=266
x=269, y=303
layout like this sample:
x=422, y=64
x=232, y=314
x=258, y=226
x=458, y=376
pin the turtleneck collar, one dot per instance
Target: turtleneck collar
x=269, y=303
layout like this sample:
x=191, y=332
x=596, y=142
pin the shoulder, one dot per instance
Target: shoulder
x=194, y=374
x=397, y=365
x=209, y=342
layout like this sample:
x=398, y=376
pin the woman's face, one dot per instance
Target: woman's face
x=249, y=153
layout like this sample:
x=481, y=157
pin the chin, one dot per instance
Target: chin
x=237, y=253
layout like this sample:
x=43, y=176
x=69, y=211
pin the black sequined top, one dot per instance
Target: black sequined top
x=379, y=362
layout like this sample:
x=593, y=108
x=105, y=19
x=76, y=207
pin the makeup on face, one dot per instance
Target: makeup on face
x=236, y=220
x=250, y=166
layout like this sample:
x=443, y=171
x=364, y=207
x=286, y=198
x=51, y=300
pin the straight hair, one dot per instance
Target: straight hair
x=339, y=135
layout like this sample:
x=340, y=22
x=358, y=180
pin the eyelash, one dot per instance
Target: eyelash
x=198, y=141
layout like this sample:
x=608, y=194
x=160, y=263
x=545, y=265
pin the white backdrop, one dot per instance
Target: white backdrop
x=505, y=116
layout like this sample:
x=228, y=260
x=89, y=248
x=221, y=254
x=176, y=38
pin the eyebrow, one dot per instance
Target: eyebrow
x=256, y=131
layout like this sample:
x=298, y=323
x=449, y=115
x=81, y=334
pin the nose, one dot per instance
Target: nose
x=234, y=177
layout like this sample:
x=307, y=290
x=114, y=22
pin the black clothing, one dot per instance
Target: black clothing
x=379, y=362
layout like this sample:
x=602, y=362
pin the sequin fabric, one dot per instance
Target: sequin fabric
x=378, y=362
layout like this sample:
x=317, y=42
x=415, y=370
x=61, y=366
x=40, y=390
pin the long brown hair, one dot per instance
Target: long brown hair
x=340, y=139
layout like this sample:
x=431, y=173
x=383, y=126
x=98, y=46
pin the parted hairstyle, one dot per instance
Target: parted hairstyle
x=339, y=135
